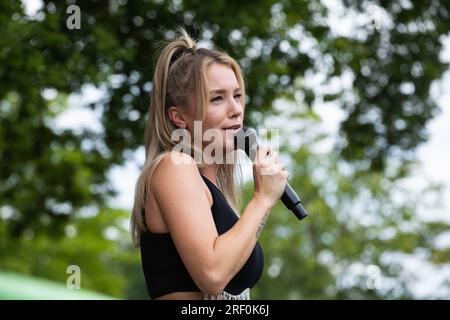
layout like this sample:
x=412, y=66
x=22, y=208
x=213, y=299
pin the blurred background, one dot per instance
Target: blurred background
x=360, y=91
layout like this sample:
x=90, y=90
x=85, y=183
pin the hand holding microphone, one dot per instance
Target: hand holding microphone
x=269, y=175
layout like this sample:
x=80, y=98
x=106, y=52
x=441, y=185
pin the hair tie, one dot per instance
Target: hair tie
x=179, y=53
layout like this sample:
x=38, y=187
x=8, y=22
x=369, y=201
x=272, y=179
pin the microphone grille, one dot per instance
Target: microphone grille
x=246, y=139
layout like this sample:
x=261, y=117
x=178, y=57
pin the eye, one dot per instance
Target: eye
x=237, y=96
x=216, y=99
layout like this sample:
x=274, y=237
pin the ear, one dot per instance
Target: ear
x=176, y=116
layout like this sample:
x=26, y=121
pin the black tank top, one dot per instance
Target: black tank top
x=164, y=270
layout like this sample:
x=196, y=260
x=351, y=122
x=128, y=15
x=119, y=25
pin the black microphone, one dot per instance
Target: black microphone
x=246, y=139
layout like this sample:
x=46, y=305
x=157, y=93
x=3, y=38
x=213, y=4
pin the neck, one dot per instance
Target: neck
x=210, y=171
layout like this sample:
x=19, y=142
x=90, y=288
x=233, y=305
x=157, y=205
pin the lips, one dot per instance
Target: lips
x=235, y=127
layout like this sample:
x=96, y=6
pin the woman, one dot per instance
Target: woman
x=193, y=243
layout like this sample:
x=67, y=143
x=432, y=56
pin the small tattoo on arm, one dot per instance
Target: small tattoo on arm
x=262, y=224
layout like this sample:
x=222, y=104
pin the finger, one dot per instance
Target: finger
x=271, y=169
x=274, y=156
x=269, y=158
x=261, y=153
x=267, y=170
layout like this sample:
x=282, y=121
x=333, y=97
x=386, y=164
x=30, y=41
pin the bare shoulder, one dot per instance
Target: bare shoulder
x=177, y=174
x=174, y=166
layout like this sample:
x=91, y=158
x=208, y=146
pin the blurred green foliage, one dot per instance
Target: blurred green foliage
x=97, y=242
x=356, y=223
x=49, y=177
x=18, y=286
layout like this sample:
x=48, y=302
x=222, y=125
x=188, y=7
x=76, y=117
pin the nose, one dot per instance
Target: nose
x=235, y=108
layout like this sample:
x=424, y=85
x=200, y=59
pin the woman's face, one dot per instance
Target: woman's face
x=225, y=113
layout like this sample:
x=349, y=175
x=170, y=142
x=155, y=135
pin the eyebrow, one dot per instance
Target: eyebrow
x=222, y=91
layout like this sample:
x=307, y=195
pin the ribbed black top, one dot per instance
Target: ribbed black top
x=164, y=270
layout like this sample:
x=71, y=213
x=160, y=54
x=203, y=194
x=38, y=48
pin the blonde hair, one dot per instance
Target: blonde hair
x=180, y=79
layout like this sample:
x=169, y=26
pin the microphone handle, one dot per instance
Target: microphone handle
x=293, y=202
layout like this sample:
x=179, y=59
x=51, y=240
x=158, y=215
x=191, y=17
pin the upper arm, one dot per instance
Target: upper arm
x=179, y=192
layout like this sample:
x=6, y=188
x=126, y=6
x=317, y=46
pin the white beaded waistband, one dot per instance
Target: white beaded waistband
x=244, y=295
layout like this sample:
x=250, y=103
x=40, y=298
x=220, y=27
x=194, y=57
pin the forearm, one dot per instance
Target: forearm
x=232, y=249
